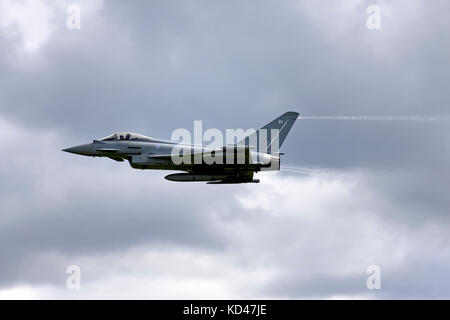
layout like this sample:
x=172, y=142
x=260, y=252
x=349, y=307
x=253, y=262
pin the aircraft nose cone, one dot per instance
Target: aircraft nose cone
x=84, y=150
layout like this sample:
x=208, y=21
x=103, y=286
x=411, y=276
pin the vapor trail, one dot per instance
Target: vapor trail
x=380, y=118
x=302, y=170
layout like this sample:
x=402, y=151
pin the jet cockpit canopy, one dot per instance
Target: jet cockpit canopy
x=125, y=136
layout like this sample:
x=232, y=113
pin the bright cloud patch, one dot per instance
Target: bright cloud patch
x=32, y=22
x=28, y=20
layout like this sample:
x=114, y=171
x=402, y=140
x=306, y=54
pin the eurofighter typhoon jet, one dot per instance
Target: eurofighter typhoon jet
x=234, y=163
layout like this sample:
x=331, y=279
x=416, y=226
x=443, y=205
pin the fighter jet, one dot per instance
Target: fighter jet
x=230, y=164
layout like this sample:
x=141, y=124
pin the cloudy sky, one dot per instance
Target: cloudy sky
x=350, y=194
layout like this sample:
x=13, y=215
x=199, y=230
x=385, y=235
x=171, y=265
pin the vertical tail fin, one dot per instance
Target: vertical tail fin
x=270, y=137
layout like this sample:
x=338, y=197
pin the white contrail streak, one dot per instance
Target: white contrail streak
x=380, y=118
x=302, y=170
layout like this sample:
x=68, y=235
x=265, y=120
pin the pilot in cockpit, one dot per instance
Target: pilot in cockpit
x=125, y=136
